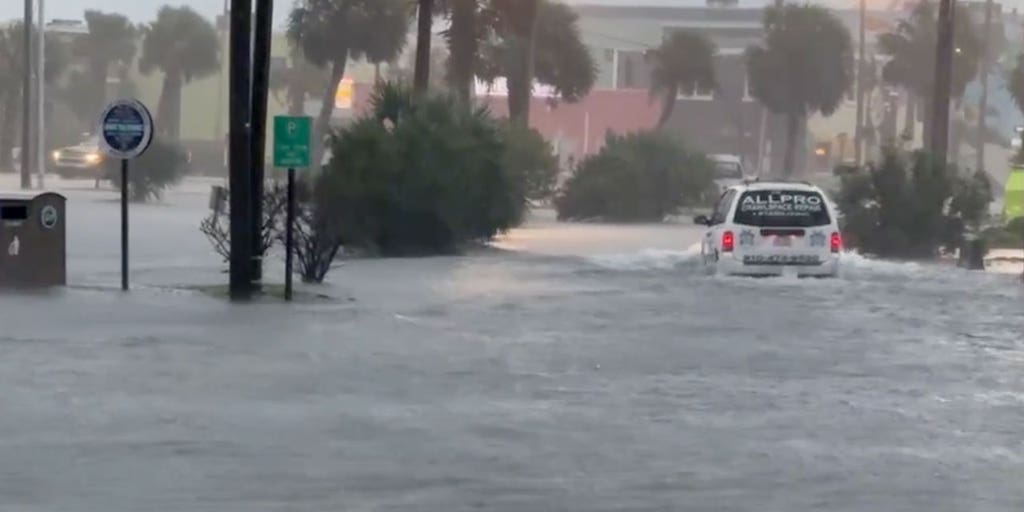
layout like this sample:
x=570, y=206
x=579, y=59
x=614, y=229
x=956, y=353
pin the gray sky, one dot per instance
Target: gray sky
x=138, y=10
x=144, y=10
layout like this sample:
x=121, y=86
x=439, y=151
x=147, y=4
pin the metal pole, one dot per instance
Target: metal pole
x=289, y=237
x=239, y=153
x=986, y=63
x=124, y=225
x=26, y=99
x=943, y=77
x=858, y=133
x=260, y=95
x=41, y=156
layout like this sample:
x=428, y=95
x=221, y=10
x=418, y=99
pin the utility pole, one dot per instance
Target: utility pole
x=41, y=156
x=943, y=76
x=858, y=132
x=986, y=66
x=239, y=154
x=260, y=92
x=26, y=101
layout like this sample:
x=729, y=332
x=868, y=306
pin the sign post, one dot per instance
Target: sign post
x=292, y=137
x=126, y=130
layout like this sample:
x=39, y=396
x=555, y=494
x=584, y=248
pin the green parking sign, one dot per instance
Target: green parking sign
x=292, y=141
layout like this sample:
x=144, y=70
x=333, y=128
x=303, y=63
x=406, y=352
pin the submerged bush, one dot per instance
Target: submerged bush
x=643, y=176
x=162, y=165
x=217, y=225
x=420, y=175
x=909, y=206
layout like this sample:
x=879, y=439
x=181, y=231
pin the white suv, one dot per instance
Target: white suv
x=767, y=228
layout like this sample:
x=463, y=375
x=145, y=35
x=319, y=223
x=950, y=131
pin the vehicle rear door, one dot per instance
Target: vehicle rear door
x=783, y=222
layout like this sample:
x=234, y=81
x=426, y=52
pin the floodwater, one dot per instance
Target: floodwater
x=574, y=368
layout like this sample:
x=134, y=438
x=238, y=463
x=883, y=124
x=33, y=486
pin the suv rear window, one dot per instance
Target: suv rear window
x=782, y=208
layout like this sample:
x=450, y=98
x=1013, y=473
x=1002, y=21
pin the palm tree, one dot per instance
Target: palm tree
x=804, y=65
x=685, y=62
x=183, y=46
x=545, y=45
x=110, y=41
x=294, y=84
x=329, y=32
x=911, y=46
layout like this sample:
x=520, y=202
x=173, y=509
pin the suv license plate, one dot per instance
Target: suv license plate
x=779, y=259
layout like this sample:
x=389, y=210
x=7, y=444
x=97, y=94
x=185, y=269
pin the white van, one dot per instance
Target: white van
x=728, y=171
x=769, y=228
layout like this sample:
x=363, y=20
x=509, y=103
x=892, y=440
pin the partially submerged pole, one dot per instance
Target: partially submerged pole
x=239, y=155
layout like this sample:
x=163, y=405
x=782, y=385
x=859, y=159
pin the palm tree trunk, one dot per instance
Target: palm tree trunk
x=169, y=108
x=910, y=122
x=520, y=75
x=424, y=35
x=792, y=132
x=668, y=106
x=323, y=120
x=7, y=130
x=98, y=94
x=926, y=121
x=463, y=47
x=296, y=101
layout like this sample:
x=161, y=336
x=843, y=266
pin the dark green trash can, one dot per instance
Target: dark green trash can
x=33, y=240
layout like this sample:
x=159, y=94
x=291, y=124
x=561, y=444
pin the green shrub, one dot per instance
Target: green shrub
x=531, y=160
x=908, y=206
x=162, y=165
x=1010, y=236
x=643, y=176
x=420, y=175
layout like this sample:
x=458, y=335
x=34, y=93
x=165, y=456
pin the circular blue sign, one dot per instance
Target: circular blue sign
x=126, y=129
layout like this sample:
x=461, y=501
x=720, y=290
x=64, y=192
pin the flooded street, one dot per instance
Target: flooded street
x=571, y=368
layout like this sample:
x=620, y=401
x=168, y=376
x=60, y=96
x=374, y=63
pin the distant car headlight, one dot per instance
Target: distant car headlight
x=93, y=158
x=56, y=155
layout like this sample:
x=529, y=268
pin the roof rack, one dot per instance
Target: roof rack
x=781, y=182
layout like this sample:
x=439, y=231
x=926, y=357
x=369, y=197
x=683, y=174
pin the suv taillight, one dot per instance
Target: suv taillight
x=836, y=242
x=728, y=241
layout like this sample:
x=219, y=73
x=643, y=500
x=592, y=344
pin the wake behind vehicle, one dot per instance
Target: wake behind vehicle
x=772, y=228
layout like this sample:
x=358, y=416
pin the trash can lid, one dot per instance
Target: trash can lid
x=23, y=195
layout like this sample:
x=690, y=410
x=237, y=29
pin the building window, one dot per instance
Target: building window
x=609, y=54
x=698, y=94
